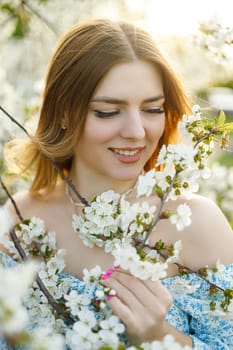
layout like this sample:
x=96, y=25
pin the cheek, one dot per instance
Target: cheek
x=91, y=134
x=95, y=136
x=97, y=131
x=156, y=130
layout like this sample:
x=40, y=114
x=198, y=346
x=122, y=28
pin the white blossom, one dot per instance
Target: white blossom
x=76, y=301
x=107, y=337
x=177, y=246
x=46, y=339
x=87, y=318
x=92, y=276
x=182, y=218
x=82, y=338
x=158, y=271
x=146, y=183
x=56, y=263
x=13, y=315
x=183, y=286
x=112, y=324
x=168, y=343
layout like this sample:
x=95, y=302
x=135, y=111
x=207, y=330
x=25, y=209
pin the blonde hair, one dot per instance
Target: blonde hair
x=81, y=59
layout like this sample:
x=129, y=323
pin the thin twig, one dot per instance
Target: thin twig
x=24, y=257
x=55, y=305
x=60, y=172
x=158, y=217
x=17, y=245
x=203, y=138
x=42, y=18
x=15, y=121
x=184, y=268
x=53, y=302
x=11, y=199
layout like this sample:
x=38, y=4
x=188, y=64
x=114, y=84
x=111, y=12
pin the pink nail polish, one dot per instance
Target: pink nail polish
x=109, y=297
x=104, y=276
x=107, y=274
x=110, y=271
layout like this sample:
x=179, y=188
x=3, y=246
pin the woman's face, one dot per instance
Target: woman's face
x=124, y=123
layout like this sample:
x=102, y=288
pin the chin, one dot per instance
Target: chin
x=127, y=175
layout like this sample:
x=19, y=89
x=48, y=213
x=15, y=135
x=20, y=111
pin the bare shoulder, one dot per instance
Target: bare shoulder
x=51, y=208
x=26, y=204
x=209, y=237
x=207, y=217
x=30, y=205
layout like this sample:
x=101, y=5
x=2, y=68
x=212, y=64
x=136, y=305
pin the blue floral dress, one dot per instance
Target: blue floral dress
x=189, y=312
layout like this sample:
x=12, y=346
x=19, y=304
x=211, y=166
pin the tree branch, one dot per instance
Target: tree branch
x=11, y=199
x=25, y=258
x=60, y=172
x=37, y=14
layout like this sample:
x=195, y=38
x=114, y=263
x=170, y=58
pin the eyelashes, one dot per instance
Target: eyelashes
x=102, y=114
x=154, y=110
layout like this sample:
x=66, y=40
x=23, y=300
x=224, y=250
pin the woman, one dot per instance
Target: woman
x=110, y=102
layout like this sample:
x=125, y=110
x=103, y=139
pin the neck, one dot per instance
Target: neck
x=77, y=202
x=89, y=187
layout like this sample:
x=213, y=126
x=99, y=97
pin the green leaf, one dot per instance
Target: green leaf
x=228, y=126
x=212, y=305
x=158, y=190
x=11, y=10
x=21, y=27
x=221, y=118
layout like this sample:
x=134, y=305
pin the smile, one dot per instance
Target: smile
x=125, y=152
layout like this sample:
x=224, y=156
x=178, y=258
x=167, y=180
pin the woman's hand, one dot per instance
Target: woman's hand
x=141, y=305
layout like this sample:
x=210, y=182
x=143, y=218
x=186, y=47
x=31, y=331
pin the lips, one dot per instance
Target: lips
x=127, y=155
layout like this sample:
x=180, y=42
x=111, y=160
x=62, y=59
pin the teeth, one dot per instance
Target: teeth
x=125, y=153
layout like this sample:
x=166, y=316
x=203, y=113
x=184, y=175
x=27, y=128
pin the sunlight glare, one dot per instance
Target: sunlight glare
x=180, y=17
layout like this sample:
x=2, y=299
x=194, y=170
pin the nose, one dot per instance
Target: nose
x=133, y=127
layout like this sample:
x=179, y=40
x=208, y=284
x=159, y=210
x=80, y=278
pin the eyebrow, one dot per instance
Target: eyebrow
x=117, y=101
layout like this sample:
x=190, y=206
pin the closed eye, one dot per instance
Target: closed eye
x=154, y=110
x=101, y=114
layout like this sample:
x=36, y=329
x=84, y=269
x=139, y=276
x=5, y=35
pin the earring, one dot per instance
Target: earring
x=63, y=125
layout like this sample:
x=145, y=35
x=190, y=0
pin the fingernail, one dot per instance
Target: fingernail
x=107, y=274
x=104, y=276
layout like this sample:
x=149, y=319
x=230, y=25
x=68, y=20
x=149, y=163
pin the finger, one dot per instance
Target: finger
x=121, y=310
x=139, y=326
x=155, y=287
x=124, y=292
x=152, y=295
